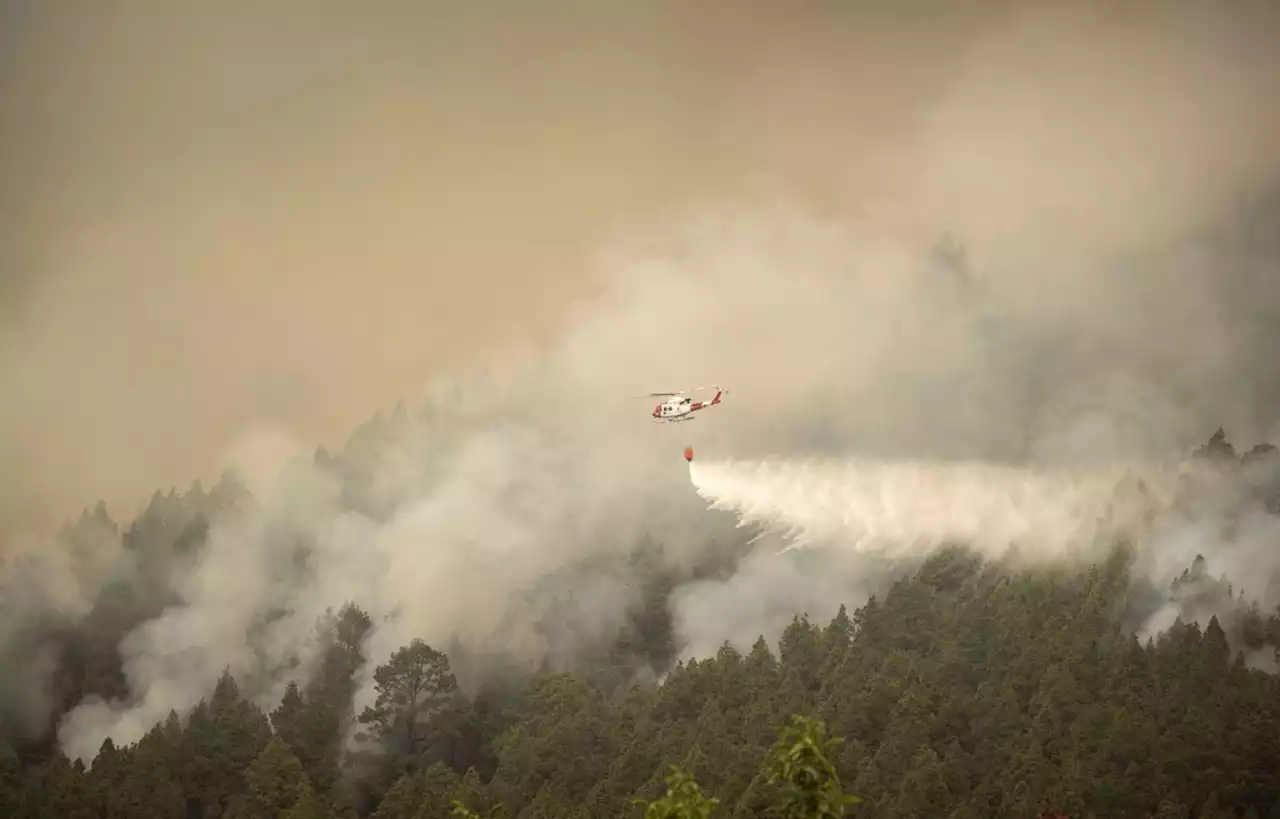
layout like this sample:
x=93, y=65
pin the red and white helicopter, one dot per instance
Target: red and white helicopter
x=680, y=407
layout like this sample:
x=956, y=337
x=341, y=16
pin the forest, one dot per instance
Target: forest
x=970, y=689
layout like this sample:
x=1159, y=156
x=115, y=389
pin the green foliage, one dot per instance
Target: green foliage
x=965, y=691
x=275, y=783
x=683, y=799
x=463, y=812
x=413, y=687
x=801, y=766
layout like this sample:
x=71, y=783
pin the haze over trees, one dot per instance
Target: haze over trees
x=969, y=689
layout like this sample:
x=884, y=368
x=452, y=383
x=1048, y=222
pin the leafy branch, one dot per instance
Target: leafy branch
x=683, y=799
x=801, y=765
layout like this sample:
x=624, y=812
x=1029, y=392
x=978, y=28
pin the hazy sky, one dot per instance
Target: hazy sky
x=299, y=212
x=296, y=213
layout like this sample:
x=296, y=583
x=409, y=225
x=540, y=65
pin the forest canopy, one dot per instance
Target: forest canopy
x=971, y=688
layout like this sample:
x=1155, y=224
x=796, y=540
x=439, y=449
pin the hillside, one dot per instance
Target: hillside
x=969, y=689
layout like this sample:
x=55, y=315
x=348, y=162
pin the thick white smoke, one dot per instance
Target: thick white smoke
x=447, y=562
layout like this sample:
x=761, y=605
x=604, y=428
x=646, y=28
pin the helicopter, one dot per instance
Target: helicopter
x=680, y=407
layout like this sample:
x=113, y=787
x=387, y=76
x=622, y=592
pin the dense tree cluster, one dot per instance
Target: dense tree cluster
x=969, y=690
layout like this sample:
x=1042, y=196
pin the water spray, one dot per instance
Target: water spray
x=905, y=508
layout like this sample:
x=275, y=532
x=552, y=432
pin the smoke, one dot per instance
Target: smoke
x=456, y=544
x=768, y=588
x=1103, y=306
x=43, y=587
x=173, y=660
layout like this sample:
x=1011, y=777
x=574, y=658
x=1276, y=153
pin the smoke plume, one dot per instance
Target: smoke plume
x=996, y=259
